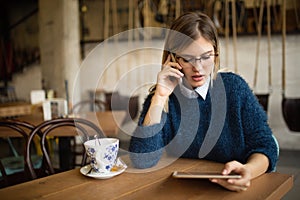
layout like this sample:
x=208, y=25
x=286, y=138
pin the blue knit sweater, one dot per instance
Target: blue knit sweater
x=228, y=125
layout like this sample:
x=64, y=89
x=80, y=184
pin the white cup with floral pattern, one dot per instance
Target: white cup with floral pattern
x=102, y=153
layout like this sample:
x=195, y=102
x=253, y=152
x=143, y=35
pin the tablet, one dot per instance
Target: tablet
x=177, y=174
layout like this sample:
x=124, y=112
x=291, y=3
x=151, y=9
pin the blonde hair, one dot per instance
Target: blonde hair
x=186, y=29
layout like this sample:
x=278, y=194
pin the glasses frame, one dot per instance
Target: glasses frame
x=193, y=60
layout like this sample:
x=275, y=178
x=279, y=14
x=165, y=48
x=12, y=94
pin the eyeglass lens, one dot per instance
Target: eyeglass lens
x=205, y=60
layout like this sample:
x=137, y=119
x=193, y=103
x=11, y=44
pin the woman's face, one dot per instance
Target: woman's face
x=197, y=62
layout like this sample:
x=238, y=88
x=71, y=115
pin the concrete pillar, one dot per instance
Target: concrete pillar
x=59, y=43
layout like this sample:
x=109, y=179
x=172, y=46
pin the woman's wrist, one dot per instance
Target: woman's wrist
x=153, y=115
x=159, y=100
x=257, y=164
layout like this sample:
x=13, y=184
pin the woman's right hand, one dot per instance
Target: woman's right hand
x=168, y=78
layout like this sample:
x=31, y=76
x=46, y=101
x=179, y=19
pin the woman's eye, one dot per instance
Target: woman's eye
x=186, y=59
x=205, y=57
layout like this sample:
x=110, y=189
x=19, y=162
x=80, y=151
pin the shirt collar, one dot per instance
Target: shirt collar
x=202, y=90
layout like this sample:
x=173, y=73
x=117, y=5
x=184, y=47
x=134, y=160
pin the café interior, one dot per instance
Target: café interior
x=96, y=60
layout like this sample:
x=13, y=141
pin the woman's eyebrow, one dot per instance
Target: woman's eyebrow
x=187, y=55
x=210, y=51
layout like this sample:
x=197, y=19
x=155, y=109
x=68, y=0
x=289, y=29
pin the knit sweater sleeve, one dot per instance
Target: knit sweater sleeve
x=146, y=144
x=258, y=135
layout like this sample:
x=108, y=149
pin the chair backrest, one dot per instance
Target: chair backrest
x=18, y=129
x=116, y=101
x=84, y=128
x=89, y=105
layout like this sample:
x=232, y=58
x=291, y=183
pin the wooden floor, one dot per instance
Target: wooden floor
x=289, y=163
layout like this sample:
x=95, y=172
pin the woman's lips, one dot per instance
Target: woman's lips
x=198, y=78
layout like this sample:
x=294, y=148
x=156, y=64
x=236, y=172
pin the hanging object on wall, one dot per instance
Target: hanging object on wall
x=290, y=106
x=263, y=98
x=296, y=13
x=177, y=8
x=130, y=20
x=115, y=17
x=162, y=12
x=226, y=31
x=234, y=33
x=116, y=31
x=105, y=35
x=106, y=19
x=111, y=40
x=154, y=13
x=220, y=14
x=148, y=15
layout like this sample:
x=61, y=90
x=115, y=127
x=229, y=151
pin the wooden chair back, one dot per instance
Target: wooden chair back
x=88, y=106
x=13, y=167
x=86, y=129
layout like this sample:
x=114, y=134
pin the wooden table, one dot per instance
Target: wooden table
x=154, y=184
x=15, y=109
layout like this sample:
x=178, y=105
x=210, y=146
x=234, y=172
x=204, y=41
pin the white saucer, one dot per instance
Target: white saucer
x=86, y=170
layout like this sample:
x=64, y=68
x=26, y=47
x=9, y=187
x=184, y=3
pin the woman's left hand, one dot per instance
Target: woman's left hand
x=238, y=185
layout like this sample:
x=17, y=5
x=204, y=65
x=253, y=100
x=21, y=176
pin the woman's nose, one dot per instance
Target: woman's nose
x=197, y=66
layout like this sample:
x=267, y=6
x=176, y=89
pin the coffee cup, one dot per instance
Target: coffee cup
x=102, y=153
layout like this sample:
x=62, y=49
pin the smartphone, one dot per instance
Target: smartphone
x=177, y=174
x=173, y=60
x=172, y=57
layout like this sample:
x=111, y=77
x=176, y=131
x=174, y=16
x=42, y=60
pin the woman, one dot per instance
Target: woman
x=195, y=112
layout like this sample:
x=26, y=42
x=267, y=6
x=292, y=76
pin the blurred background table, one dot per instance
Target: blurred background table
x=108, y=121
x=13, y=109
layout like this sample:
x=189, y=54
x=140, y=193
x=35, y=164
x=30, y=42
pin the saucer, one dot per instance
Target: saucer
x=86, y=171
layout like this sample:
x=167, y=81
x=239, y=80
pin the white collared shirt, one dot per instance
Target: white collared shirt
x=202, y=90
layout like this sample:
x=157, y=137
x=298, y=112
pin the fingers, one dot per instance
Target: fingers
x=233, y=187
x=228, y=186
x=168, y=77
x=231, y=166
x=238, y=185
x=172, y=64
x=170, y=71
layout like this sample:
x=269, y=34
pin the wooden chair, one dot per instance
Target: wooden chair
x=130, y=104
x=85, y=128
x=12, y=166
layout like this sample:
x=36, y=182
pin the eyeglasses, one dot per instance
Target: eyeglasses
x=205, y=60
